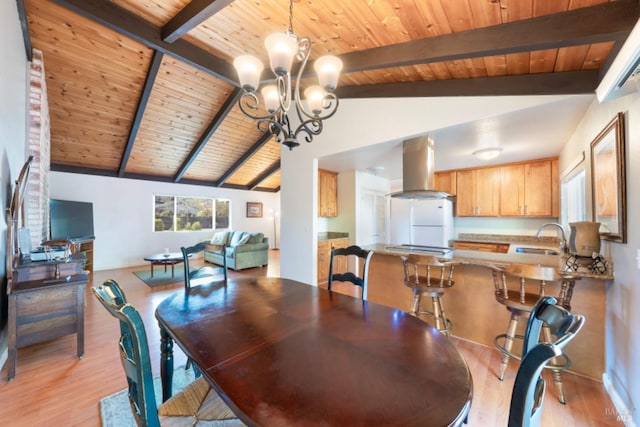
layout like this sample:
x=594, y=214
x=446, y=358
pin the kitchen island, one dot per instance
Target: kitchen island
x=470, y=304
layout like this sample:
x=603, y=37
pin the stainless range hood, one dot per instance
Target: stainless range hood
x=418, y=181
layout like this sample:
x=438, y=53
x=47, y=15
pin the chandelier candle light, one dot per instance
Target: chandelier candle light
x=277, y=98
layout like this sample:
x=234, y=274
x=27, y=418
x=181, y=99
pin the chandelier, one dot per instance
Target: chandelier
x=278, y=98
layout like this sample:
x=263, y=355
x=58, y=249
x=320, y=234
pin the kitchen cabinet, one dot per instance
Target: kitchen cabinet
x=501, y=248
x=446, y=181
x=525, y=189
x=555, y=189
x=327, y=193
x=324, y=258
x=478, y=192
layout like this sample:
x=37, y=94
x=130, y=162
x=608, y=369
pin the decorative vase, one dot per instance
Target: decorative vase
x=585, y=238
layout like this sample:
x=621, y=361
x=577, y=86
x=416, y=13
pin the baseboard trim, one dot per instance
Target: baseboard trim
x=622, y=412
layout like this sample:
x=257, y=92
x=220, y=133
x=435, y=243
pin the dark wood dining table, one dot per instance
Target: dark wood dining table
x=281, y=352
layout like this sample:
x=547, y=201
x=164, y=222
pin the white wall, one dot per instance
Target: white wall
x=123, y=215
x=622, y=339
x=360, y=123
x=13, y=141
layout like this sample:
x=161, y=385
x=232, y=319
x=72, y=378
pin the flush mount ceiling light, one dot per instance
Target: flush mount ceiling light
x=487, y=153
x=277, y=98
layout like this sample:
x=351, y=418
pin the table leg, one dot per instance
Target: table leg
x=151, y=269
x=166, y=363
x=172, y=269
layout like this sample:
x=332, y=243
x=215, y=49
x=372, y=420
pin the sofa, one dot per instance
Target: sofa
x=243, y=249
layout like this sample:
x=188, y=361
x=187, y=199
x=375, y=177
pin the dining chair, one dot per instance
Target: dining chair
x=529, y=386
x=533, y=282
x=346, y=255
x=426, y=275
x=196, y=402
x=206, y=273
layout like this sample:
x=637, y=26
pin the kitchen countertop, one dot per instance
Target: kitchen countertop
x=492, y=259
x=331, y=235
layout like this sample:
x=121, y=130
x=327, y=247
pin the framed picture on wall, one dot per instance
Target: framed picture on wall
x=254, y=210
x=608, y=181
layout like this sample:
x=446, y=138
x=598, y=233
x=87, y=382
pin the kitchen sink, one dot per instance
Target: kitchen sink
x=535, y=251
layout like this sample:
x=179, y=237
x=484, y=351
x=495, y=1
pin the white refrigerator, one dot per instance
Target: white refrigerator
x=422, y=222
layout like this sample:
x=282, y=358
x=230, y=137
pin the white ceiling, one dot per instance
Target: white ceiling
x=531, y=133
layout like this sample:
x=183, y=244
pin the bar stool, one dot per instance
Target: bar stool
x=520, y=302
x=426, y=275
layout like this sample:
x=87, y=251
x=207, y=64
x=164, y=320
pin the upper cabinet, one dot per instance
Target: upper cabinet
x=327, y=193
x=527, y=189
x=446, y=181
x=478, y=192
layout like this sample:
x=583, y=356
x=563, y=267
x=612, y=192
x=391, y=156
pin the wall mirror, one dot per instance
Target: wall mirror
x=608, y=183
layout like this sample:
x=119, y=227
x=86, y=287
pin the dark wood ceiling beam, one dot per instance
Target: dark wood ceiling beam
x=604, y=22
x=24, y=24
x=222, y=114
x=192, y=15
x=152, y=73
x=264, y=175
x=246, y=156
x=569, y=83
x=58, y=167
x=121, y=20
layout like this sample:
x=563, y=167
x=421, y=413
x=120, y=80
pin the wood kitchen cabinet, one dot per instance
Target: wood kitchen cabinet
x=501, y=248
x=478, y=192
x=324, y=258
x=327, y=193
x=555, y=189
x=525, y=189
x=446, y=181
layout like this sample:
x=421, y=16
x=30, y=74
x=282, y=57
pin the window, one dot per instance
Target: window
x=574, y=207
x=172, y=213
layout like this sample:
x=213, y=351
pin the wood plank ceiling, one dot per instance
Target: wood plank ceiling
x=145, y=88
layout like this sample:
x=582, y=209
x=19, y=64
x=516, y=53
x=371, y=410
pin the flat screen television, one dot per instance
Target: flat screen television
x=71, y=220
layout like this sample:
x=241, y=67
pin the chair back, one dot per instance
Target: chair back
x=563, y=324
x=206, y=272
x=348, y=276
x=427, y=272
x=529, y=386
x=528, y=274
x=134, y=353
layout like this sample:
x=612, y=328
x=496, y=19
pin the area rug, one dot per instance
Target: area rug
x=160, y=278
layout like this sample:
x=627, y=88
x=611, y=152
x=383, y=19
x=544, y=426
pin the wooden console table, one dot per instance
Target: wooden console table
x=46, y=301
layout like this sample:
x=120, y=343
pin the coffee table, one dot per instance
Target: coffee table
x=171, y=259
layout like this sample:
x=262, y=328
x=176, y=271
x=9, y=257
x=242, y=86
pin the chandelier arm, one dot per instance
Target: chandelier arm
x=284, y=92
x=249, y=101
x=310, y=127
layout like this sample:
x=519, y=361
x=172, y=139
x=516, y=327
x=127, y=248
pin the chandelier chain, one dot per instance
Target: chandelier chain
x=291, y=16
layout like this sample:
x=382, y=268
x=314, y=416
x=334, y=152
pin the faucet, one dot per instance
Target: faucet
x=563, y=241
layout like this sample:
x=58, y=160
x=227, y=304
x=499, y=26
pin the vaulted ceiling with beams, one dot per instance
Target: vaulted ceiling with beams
x=146, y=89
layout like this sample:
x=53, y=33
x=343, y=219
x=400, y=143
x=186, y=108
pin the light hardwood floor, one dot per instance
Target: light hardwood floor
x=53, y=387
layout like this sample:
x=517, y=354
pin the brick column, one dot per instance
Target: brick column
x=37, y=198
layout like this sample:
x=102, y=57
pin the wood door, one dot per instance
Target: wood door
x=555, y=189
x=487, y=192
x=327, y=193
x=340, y=264
x=512, y=190
x=324, y=253
x=465, y=191
x=446, y=181
x=537, y=194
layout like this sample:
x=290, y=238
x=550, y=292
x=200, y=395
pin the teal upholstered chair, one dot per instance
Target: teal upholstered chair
x=195, y=402
x=529, y=386
x=206, y=273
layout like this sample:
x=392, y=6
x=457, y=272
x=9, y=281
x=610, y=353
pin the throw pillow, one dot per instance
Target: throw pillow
x=244, y=239
x=235, y=239
x=256, y=238
x=219, y=238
